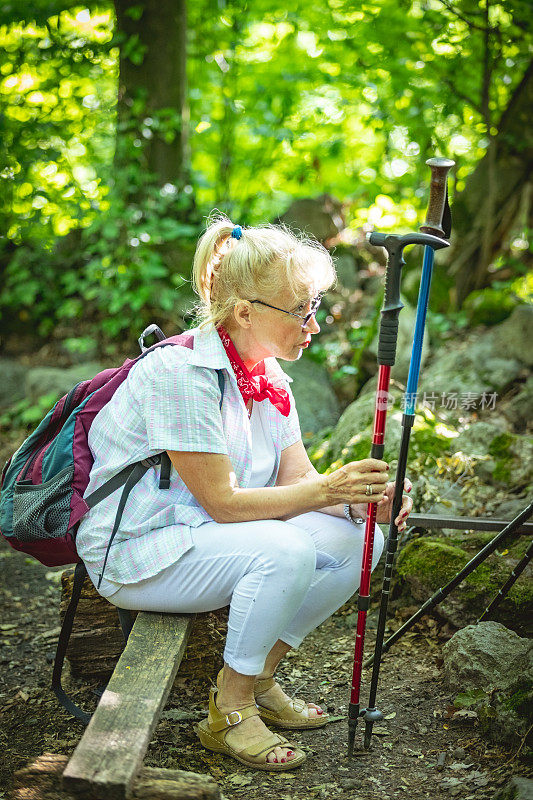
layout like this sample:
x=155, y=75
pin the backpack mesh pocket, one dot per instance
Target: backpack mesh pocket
x=43, y=511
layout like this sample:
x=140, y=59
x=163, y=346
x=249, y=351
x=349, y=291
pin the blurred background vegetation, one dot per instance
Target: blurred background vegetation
x=123, y=124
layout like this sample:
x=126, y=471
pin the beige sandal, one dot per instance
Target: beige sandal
x=213, y=730
x=291, y=715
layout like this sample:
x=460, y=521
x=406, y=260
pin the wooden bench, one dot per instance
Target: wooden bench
x=107, y=763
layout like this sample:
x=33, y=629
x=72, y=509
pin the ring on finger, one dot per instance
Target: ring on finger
x=368, y=490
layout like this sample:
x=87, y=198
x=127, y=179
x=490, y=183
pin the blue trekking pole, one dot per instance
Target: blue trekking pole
x=438, y=205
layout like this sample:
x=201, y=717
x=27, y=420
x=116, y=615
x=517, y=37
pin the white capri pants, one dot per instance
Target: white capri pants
x=280, y=579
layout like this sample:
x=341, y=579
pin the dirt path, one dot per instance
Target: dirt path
x=402, y=763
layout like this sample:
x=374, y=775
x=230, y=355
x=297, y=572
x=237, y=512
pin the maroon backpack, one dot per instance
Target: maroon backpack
x=42, y=486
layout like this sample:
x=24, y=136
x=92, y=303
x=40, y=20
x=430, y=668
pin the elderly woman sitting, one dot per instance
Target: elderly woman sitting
x=247, y=520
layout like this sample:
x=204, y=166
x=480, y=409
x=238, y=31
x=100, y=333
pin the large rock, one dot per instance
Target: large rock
x=352, y=438
x=486, y=656
x=346, y=267
x=41, y=381
x=503, y=458
x=437, y=495
x=513, y=337
x=486, y=362
x=354, y=419
x=472, y=367
x=493, y=667
x=12, y=383
x=517, y=788
x=317, y=405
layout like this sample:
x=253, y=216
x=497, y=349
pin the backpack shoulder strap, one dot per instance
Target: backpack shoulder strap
x=66, y=629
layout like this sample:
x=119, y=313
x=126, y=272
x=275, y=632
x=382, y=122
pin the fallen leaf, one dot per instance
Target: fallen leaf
x=465, y=715
x=240, y=780
x=449, y=782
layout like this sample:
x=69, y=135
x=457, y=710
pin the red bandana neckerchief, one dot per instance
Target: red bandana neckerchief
x=254, y=384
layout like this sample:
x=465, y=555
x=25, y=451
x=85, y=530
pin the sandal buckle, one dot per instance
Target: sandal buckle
x=228, y=721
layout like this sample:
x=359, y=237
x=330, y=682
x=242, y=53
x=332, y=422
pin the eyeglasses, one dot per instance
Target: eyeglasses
x=315, y=304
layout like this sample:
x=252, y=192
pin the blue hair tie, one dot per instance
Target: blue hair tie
x=236, y=232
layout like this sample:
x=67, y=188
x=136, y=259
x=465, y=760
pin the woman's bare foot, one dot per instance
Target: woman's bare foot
x=251, y=731
x=236, y=691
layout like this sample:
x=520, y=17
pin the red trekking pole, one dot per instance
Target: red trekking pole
x=388, y=334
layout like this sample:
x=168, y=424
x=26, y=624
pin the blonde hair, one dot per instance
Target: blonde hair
x=256, y=266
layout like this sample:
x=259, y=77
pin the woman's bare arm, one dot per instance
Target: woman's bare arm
x=211, y=479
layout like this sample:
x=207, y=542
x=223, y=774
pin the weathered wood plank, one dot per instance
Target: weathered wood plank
x=113, y=746
x=174, y=784
x=41, y=780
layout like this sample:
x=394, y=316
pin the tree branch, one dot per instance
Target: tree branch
x=458, y=14
x=472, y=103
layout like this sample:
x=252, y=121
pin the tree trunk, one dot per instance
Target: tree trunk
x=496, y=188
x=153, y=115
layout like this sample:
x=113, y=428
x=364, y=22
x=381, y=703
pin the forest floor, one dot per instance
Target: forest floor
x=421, y=724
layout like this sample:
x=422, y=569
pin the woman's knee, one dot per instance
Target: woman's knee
x=289, y=550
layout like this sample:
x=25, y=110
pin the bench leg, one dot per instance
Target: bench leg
x=126, y=622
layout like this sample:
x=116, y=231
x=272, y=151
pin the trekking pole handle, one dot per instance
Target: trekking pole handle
x=392, y=305
x=437, y=195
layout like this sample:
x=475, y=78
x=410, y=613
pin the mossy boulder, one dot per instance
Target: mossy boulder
x=492, y=667
x=485, y=362
x=502, y=458
x=429, y=563
x=351, y=438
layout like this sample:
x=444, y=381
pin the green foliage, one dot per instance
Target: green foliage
x=499, y=449
x=470, y=698
x=489, y=306
x=25, y=414
x=521, y=699
x=284, y=102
